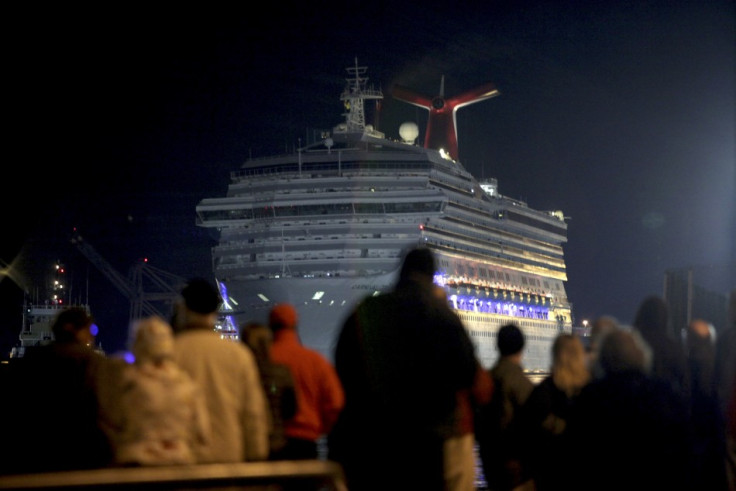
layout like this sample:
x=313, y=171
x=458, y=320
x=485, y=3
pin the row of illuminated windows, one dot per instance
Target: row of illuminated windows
x=268, y=212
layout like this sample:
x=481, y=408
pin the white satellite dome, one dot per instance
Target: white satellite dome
x=409, y=132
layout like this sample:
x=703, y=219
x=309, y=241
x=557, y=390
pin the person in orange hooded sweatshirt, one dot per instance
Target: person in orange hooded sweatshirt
x=319, y=393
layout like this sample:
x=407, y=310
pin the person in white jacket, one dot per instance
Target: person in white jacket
x=228, y=375
x=159, y=415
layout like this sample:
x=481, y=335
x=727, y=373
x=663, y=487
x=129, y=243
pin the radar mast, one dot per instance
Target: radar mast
x=354, y=96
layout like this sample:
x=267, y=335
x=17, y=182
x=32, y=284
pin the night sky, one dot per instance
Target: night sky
x=621, y=114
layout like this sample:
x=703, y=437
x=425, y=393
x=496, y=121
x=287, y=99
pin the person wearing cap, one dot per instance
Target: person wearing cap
x=403, y=357
x=53, y=403
x=319, y=394
x=157, y=414
x=498, y=429
x=228, y=375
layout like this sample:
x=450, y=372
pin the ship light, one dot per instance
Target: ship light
x=318, y=295
x=263, y=297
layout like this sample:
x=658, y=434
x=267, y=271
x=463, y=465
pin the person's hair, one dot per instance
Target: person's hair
x=201, y=296
x=510, y=340
x=569, y=368
x=283, y=316
x=652, y=317
x=153, y=341
x=257, y=337
x=602, y=326
x=418, y=262
x=70, y=321
x=625, y=351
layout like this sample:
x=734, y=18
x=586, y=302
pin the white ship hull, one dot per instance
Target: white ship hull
x=320, y=319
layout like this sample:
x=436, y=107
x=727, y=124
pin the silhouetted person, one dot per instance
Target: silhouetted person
x=628, y=430
x=319, y=394
x=498, y=430
x=52, y=401
x=725, y=375
x=706, y=419
x=545, y=414
x=601, y=327
x=155, y=413
x=277, y=381
x=668, y=357
x=402, y=357
x=228, y=375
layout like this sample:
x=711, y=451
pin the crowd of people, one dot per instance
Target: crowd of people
x=404, y=405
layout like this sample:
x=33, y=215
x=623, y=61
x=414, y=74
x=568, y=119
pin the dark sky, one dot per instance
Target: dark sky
x=620, y=114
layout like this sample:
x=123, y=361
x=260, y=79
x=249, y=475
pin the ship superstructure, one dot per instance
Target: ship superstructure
x=328, y=224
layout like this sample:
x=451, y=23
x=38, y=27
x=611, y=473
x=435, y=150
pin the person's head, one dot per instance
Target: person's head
x=418, y=266
x=699, y=333
x=198, y=306
x=74, y=325
x=283, y=316
x=569, y=367
x=153, y=340
x=652, y=317
x=624, y=350
x=510, y=340
x=602, y=326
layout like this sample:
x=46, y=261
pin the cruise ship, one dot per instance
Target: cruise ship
x=327, y=225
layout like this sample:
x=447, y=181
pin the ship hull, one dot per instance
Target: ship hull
x=320, y=319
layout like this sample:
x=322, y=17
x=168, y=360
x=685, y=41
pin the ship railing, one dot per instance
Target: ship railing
x=304, y=474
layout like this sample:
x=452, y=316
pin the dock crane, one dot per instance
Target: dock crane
x=151, y=291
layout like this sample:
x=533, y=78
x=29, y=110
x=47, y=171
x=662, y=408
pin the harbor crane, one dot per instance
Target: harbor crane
x=151, y=291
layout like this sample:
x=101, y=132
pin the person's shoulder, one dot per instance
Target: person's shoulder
x=198, y=337
x=316, y=357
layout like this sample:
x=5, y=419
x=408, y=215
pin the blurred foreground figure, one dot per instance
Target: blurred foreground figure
x=602, y=326
x=156, y=414
x=725, y=376
x=277, y=383
x=319, y=394
x=499, y=432
x=546, y=412
x=708, y=470
x=52, y=402
x=652, y=321
x=628, y=430
x=227, y=374
x=402, y=357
